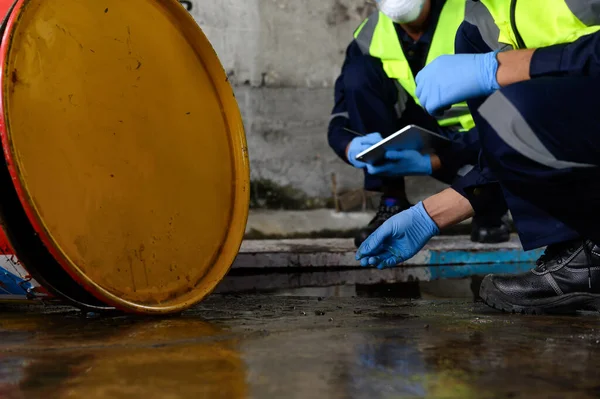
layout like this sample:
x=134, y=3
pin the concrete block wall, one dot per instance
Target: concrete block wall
x=282, y=57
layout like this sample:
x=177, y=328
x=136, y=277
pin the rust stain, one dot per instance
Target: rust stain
x=130, y=260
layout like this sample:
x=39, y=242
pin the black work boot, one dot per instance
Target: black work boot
x=566, y=279
x=387, y=208
x=489, y=231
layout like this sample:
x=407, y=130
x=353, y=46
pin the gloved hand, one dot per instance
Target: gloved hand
x=403, y=163
x=398, y=239
x=360, y=144
x=451, y=79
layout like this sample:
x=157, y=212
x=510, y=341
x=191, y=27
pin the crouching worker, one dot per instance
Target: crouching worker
x=530, y=70
x=376, y=92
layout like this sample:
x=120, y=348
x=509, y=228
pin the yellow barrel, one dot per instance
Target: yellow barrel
x=126, y=149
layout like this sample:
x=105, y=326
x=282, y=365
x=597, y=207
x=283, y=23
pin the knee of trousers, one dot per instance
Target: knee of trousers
x=364, y=73
x=509, y=140
x=501, y=156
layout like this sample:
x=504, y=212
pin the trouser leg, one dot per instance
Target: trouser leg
x=541, y=140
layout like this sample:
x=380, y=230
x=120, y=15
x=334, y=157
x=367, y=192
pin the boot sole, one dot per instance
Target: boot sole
x=564, y=304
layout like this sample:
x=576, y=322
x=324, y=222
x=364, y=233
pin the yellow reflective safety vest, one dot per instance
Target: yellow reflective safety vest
x=542, y=23
x=377, y=37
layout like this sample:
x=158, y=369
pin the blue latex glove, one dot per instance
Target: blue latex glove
x=360, y=144
x=403, y=163
x=398, y=239
x=451, y=79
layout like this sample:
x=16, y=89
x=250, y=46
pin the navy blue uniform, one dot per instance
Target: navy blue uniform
x=366, y=98
x=540, y=143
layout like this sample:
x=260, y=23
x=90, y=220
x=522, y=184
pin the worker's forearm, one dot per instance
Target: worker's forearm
x=448, y=208
x=514, y=66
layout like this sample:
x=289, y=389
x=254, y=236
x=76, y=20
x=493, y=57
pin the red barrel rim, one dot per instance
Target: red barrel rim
x=17, y=230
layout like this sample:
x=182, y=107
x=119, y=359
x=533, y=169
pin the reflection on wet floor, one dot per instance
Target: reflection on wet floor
x=290, y=347
x=66, y=355
x=438, y=289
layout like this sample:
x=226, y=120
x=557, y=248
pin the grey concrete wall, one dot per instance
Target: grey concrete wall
x=283, y=57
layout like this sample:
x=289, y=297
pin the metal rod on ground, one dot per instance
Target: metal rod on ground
x=364, y=200
x=336, y=200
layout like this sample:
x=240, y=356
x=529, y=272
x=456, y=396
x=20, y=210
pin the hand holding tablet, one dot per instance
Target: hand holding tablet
x=409, y=138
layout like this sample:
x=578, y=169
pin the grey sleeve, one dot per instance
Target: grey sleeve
x=587, y=11
x=477, y=14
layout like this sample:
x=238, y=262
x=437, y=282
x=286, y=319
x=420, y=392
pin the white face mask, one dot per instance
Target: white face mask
x=401, y=11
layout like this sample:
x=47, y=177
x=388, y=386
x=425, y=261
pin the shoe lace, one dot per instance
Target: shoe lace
x=386, y=212
x=546, y=257
x=557, y=253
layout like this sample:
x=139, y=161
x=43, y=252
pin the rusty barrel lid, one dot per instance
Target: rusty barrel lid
x=126, y=149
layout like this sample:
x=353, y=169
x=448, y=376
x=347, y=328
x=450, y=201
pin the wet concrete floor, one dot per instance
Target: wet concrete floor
x=287, y=347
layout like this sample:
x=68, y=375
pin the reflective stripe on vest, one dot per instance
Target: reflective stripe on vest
x=554, y=22
x=378, y=38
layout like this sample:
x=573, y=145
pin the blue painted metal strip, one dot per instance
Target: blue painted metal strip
x=463, y=271
x=13, y=285
x=500, y=256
